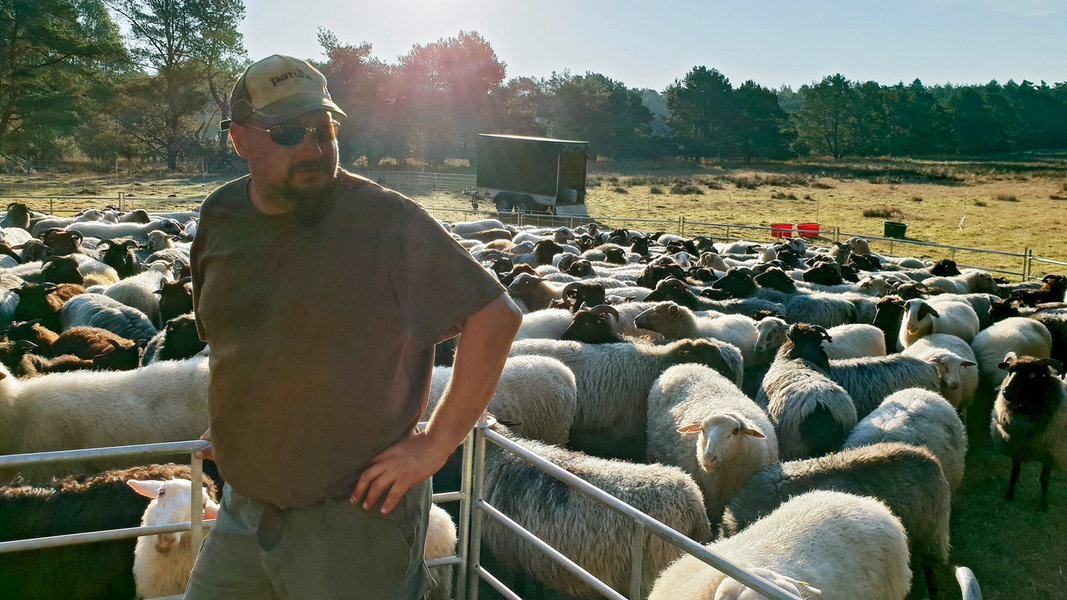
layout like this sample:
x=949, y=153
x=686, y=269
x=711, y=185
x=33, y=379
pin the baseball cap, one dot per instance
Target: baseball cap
x=278, y=89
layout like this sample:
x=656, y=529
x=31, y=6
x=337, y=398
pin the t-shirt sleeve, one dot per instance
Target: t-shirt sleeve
x=439, y=283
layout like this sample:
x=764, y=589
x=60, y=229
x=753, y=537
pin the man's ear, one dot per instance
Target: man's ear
x=237, y=136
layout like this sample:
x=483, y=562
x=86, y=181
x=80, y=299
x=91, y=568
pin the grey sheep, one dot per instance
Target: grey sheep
x=702, y=422
x=1030, y=418
x=98, y=310
x=870, y=379
x=596, y=537
x=613, y=382
x=907, y=478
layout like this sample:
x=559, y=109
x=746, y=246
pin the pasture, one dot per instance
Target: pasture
x=1009, y=205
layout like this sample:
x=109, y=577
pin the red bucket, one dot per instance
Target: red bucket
x=781, y=230
x=808, y=230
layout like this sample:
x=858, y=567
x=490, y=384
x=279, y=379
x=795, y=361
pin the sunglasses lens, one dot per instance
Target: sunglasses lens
x=287, y=135
x=327, y=132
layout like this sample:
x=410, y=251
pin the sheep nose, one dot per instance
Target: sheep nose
x=165, y=541
x=709, y=462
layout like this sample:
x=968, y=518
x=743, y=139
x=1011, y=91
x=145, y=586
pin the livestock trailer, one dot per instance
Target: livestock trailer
x=524, y=173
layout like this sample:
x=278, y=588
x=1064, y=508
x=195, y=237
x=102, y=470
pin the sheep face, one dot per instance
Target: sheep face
x=662, y=317
x=732, y=589
x=1030, y=382
x=949, y=369
x=594, y=326
x=917, y=315
x=771, y=334
x=776, y=279
x=738, y=283
x=170, y=504
x=720, y=437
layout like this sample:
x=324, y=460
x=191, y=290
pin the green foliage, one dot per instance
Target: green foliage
x=604, y=112
x=52, y=54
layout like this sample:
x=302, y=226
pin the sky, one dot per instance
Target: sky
x=654, y=43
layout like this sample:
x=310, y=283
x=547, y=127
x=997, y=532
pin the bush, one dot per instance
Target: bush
x=620, y=190
x=684, y=188
x=776, y=195
x=980, y=203
x=655, y=190
x=1007, y=198
x=884, y=213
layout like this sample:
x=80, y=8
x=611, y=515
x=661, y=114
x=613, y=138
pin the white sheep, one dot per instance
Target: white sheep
x=676, y=322
x=162, y=402
x=950, y=316
x=139, y=291
x=162, y=562
x=138, y=231
x=854, y=340
x=536, y=397
x=549, y=323
x=847, y=546
x=733, y=437
x=441, y=541
x=956, y=365
x=922, y=418
x=613, y=382
x=1023, y=336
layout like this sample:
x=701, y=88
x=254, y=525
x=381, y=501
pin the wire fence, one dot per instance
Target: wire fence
x=1029, y=266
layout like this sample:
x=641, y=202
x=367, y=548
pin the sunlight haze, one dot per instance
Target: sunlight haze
x=651, y=44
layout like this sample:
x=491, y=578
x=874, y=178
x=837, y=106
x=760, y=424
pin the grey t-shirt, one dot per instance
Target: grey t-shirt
x=322, y=332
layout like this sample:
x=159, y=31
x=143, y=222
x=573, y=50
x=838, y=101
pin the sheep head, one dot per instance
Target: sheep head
x=720, y=437
x=171, y=503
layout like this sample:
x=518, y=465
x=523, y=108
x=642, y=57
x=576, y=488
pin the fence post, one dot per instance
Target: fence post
x=681, y=226
x=1028, y=263
x=637, y=550
x=474, y=554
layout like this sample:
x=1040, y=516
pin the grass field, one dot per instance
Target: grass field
x=1008, y=205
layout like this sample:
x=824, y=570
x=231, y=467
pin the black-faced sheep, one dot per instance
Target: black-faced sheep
x=72, y=505
x=1030, y=418
x=178, y=340
x=811, y=414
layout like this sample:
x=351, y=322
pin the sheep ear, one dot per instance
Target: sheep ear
x=690, y=429
x=926, y=309
x=149, y=488
x=753, y=432
x=1052, y=363
x=968, y=363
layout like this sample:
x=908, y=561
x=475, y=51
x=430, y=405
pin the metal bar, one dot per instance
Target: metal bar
x=637, y=554
x=496, y=584
x=440, y=497
x=524, y=534
x=463, y=543
x=474, y=558
x=196, y=505
x=86, y=537
x=18, y=460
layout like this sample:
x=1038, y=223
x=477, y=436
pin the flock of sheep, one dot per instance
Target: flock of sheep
x=759, y=395
x=805, y=408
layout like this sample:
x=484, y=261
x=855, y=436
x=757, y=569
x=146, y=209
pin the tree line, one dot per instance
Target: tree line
x=150, y=79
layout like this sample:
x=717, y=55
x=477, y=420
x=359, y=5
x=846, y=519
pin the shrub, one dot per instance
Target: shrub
x=655, y=190
x=883, y=213
x=822, y=186
x=620, y=190
x=782, y=196
x=916, y=199
x=980, y=203
x=683, y=188
x=1007, y=198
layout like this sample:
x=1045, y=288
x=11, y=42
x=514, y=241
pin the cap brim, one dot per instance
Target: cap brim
x=293, y=107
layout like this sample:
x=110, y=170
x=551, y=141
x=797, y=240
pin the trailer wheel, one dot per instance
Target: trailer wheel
x=503, y=203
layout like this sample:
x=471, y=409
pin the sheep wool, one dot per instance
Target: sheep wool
x=847, y=546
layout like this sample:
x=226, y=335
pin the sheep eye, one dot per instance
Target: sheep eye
x=161, y=492
x=737, y=430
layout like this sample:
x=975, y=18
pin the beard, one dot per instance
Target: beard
x=309, y=198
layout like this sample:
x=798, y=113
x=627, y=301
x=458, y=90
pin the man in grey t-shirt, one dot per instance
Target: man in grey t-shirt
x=322, y=295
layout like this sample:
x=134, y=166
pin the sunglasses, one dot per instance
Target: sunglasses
x=292, y=135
